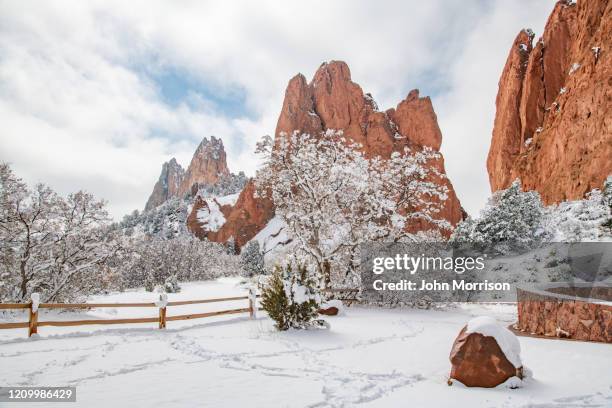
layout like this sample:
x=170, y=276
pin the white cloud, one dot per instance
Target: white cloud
x=79, y=110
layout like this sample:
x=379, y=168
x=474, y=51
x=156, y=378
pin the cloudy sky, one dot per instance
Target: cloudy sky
x=96, y=95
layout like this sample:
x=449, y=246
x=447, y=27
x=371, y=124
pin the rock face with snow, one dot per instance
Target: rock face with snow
x=167, y=185
x=552, y=126
x=243, y=220
x=333, y=101
x=208, y=165
x=485, y=354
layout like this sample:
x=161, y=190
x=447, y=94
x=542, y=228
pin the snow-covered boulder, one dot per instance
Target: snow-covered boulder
x=486, y=354
x=332, y=308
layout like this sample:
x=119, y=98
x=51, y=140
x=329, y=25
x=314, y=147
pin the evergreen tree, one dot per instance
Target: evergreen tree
x=291, y=298
x=252, y=260
x=511, y=216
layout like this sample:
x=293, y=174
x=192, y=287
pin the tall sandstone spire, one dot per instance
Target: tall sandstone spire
x=207, y=166
x=552, y=126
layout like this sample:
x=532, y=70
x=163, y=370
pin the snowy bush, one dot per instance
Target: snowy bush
x=291, y=298
x=252, y=260
x=171, y=285
x=150, y=261
x=511, y=216
x=581, y=220
x=57, y=246
x=166, y=221
x=514, y=216
x=333, y=198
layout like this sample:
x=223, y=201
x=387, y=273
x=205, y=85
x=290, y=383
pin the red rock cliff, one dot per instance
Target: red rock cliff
x=333, y=101
x=553, y=126
x=244, y=220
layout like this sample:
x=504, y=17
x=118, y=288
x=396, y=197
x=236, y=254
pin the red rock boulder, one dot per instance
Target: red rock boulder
x=478, y=361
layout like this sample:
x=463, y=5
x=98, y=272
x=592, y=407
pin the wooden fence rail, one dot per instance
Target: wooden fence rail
x=33, y=323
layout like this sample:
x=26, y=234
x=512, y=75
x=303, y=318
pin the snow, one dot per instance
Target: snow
x=369, y=358
x=273, y=235
x=575, y=66
x=211, y=216
x=507, y=341
x=35, y=302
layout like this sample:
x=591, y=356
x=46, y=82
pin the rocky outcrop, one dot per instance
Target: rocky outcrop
x=478, y=361
x=552, y=126
x=167, y=185
x=244, y=220
x=208, y=165
x=333, y=101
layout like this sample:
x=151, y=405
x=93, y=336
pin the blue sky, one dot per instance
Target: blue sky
x=98, y=97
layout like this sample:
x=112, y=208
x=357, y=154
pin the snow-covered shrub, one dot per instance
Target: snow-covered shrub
x=511, y=216
x=252, y=260
x=171, y=285
x=333, y=199
x=581, y=220
x=149, y=261
x=166, y=221
x=291, y=298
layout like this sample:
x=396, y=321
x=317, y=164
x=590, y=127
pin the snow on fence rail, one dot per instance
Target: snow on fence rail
x=161, y=304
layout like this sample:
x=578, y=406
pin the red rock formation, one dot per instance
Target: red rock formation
x=552, y=127
x=333, y=101
x=478, y=361
x=244, y=220
x=208, y=165
x=167, y=185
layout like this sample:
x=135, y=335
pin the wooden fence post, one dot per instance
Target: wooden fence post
x=33, y=323
x=162, y=303
x=252, y=303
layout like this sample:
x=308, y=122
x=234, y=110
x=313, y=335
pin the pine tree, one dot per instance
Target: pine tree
x=274, y=299
x=511, y=217
x=291, y=298
x=252, y=260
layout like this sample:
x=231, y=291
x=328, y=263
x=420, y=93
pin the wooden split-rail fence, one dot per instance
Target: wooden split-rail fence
x=162, y=304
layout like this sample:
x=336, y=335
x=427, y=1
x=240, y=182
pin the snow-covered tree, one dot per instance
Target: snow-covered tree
x=291, y=298
x=252, y=259
x=166, y=221
x=580, y=220
x=511, y=216
x=519, y=217
x=333, y=198
x=151, y=261
x=50, y=244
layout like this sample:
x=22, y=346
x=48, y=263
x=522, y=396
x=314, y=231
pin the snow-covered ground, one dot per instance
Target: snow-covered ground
x=369, y=358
